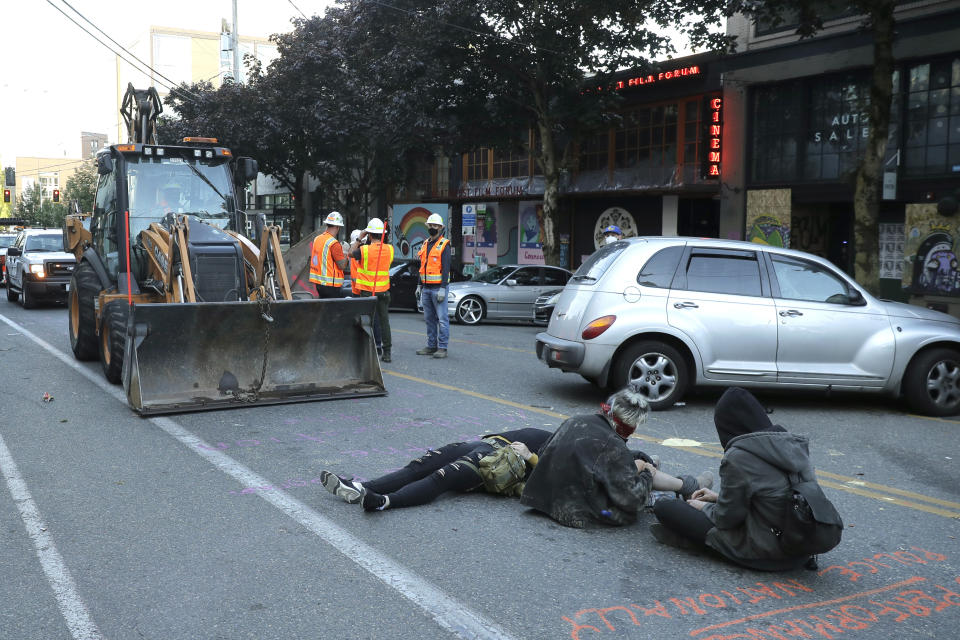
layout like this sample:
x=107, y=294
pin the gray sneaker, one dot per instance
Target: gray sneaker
x=426, y=351
x=344, y=489
x=441, y=353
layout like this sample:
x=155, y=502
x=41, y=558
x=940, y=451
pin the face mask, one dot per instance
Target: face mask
x=610, y=239
x=433, y=231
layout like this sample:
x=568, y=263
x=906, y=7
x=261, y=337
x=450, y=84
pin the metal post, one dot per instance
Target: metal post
x=236, y=46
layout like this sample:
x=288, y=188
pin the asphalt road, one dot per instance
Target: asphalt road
x=214, y=525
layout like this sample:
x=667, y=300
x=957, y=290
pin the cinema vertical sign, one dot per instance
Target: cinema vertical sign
x=714, y=138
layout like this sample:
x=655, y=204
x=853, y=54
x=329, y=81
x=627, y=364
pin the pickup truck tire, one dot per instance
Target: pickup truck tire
x=12, y=296
x=113, y=339
x=84, y=288
x=27, y=300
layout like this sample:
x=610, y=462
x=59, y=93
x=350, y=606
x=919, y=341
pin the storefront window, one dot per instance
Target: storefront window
x=692, y=132
x=477, y=165
x=593, y=152
x=509, y=164
x=648, y=138
x=932, y=136
x=777, y=111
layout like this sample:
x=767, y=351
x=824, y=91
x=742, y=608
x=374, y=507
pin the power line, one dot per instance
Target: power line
x=171, y=87
x=172, y=83
x=298, y=9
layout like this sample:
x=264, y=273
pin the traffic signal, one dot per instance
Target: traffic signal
x=6, y=195
x=10, y=176
x=56, y=195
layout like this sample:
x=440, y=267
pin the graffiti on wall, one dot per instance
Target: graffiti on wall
x=768, y=217
x=930, y=263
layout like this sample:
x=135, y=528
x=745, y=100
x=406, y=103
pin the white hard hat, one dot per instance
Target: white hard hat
x=374, y=226
x=334, y=219
x=355, y=235
x=435, y=218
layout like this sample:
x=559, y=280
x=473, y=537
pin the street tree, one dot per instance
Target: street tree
x=40, y=212
x=81, y=187
x=531, y=62
x=879, y=21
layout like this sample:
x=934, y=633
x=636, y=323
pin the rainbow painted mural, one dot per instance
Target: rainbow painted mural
x=410, y=226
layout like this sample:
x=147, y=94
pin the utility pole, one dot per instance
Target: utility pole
x=236, y=46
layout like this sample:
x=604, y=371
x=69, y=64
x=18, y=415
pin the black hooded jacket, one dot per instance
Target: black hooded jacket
x=586, y=474
x=754, y=488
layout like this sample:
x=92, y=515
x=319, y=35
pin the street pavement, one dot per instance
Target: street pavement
x=214, y=524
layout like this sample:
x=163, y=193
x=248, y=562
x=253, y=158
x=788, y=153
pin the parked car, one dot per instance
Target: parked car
x=672, y=313
x=6, y=239
x=38, y=268
x=503, y=292
x=404, y=278
x=544, y=305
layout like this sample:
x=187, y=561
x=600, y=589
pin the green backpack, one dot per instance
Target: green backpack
x=502, y=471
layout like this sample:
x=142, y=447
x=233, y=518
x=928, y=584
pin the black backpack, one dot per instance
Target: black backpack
x=811, y=524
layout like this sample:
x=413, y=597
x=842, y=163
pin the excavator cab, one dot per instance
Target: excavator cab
x=182, y=306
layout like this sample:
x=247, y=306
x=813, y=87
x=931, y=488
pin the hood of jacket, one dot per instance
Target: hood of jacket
x=739, y=412
x=781, y=449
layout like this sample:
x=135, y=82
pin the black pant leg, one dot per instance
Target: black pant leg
x=421, y=467
x=680, y=517
x=454, y=476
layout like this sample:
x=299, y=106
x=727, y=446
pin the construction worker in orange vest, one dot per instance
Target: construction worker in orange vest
x=373, y=276
x=327, y=261
x=434, y=257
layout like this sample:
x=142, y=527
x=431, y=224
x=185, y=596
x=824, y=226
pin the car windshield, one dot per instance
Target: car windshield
x=46, y=242
x=160, y=185
x=495, y=274
x=599, y=262
x=6, y=241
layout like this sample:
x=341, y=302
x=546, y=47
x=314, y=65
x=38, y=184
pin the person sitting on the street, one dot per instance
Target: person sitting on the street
x=755, y=492
x=586, y=472
x=453, y=467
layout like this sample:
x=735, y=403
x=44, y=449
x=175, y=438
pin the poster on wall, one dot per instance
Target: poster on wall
x=409, y=226
x=930, y=252
x=768, y=217
x=891, y=251
x=481, y=248
x=530, y=228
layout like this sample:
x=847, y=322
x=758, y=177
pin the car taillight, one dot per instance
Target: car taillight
x=597, y=327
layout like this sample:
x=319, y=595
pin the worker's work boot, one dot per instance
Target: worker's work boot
x=426, y=351
x=441, y=353
x=386, y=356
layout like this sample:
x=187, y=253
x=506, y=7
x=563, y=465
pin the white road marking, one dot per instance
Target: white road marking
x=74, y=611
x=445, y=610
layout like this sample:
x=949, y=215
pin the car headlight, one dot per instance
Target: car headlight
x=37, y=270
x=552, y=299
x=451, y=295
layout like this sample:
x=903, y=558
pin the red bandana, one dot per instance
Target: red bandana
x=623, y=429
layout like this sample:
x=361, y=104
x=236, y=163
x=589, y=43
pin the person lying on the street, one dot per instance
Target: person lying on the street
x=587, y=474
x=755, y=492
x=459, y=466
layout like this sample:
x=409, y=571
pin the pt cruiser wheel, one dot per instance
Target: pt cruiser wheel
x=470, y=310
x=657, y=369
x=932, y=383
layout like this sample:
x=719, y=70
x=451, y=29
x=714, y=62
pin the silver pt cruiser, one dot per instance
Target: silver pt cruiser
x=673, y=313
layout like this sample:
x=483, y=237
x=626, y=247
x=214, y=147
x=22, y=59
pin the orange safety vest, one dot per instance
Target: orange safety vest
x=374, y=272
x=431, y=265
x=354, y=271
x=323, y=270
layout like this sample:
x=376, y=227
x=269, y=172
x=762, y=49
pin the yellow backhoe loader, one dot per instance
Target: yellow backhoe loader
x=180, y=305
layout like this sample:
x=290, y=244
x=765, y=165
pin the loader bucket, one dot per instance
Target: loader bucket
x=215, y=355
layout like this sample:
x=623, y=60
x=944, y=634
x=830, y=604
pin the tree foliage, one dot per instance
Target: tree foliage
x=40, y=212
x=81, y=187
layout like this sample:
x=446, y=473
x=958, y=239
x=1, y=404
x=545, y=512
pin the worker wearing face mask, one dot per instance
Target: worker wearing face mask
x=434, y=276
x=611, y=234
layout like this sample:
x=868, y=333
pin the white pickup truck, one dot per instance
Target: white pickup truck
x=38, y=268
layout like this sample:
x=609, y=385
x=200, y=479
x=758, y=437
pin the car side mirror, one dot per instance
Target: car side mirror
x=249, y=169
x=104, y=164
x=856, y=298
x=510, y=282
x=14, y=251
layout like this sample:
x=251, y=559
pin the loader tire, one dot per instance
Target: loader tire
x=84, y=288
x=113, y=339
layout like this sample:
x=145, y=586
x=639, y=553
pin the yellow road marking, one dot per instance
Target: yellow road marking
x=845, y=485
x=479, y=344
